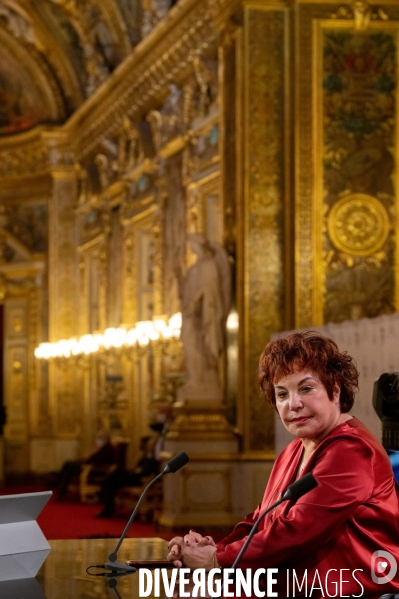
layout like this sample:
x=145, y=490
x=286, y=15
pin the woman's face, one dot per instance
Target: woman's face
x=304, y=406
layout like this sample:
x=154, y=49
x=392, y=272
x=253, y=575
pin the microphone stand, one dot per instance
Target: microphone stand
x=112, y=564
x=173, y=465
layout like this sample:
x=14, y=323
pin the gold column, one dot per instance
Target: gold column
x=262, y=194
x=63, y=291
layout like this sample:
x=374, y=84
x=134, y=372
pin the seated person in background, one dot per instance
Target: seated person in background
x=161, y=425
x=147, y=465
x=103, y=454
x=353, y=512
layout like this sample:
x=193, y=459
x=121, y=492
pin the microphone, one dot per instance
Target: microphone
x=294, y=491
x=176, y=463
x=300, y=487
x=173, y=465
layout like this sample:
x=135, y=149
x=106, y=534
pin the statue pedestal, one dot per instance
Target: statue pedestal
x=206, y=491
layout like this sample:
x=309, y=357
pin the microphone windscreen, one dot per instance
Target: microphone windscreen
x=176, y=462
x=300, y=487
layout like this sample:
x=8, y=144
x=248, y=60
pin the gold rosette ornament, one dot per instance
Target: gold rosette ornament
x=358, y=224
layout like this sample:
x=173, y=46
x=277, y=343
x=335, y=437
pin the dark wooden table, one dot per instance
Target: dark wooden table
x=63, y=574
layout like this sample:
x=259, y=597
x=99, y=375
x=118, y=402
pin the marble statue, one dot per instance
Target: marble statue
x=205, y=295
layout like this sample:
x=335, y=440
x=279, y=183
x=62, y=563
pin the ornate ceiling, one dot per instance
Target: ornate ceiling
x=55, y=53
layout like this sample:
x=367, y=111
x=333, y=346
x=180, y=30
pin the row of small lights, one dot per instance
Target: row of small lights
x=140, y=335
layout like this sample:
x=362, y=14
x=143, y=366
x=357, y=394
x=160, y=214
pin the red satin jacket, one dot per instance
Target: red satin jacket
x=335, y=528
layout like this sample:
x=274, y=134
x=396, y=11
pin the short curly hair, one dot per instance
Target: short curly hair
x=309, y=350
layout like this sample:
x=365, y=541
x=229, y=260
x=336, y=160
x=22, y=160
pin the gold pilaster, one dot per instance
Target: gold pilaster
x=63, y=297
x=262, y=75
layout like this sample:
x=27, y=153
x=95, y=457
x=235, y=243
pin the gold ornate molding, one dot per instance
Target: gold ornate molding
x=361, y=13
x=37, y=152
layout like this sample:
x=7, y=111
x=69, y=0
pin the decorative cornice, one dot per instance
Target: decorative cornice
x=36, y=152
x=138, y=85
x=141, y=82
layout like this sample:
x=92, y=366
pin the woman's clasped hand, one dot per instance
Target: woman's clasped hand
x=193, y=551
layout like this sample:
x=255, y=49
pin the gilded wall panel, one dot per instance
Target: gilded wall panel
x=16, y=394
x=38, y=376
x=346, y=213
x=264, y=80
x=141, y=292
x=141, y=268
x=356, y=83
x=16, y=367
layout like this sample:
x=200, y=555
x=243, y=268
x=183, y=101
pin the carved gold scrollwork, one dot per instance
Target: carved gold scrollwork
x=358, y=224
x=361, y=12
x=150, y=79
x=33, y=158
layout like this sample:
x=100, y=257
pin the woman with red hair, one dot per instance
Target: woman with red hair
x=342, y=537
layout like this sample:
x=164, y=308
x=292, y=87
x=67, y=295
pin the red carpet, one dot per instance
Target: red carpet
x=73, y=520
